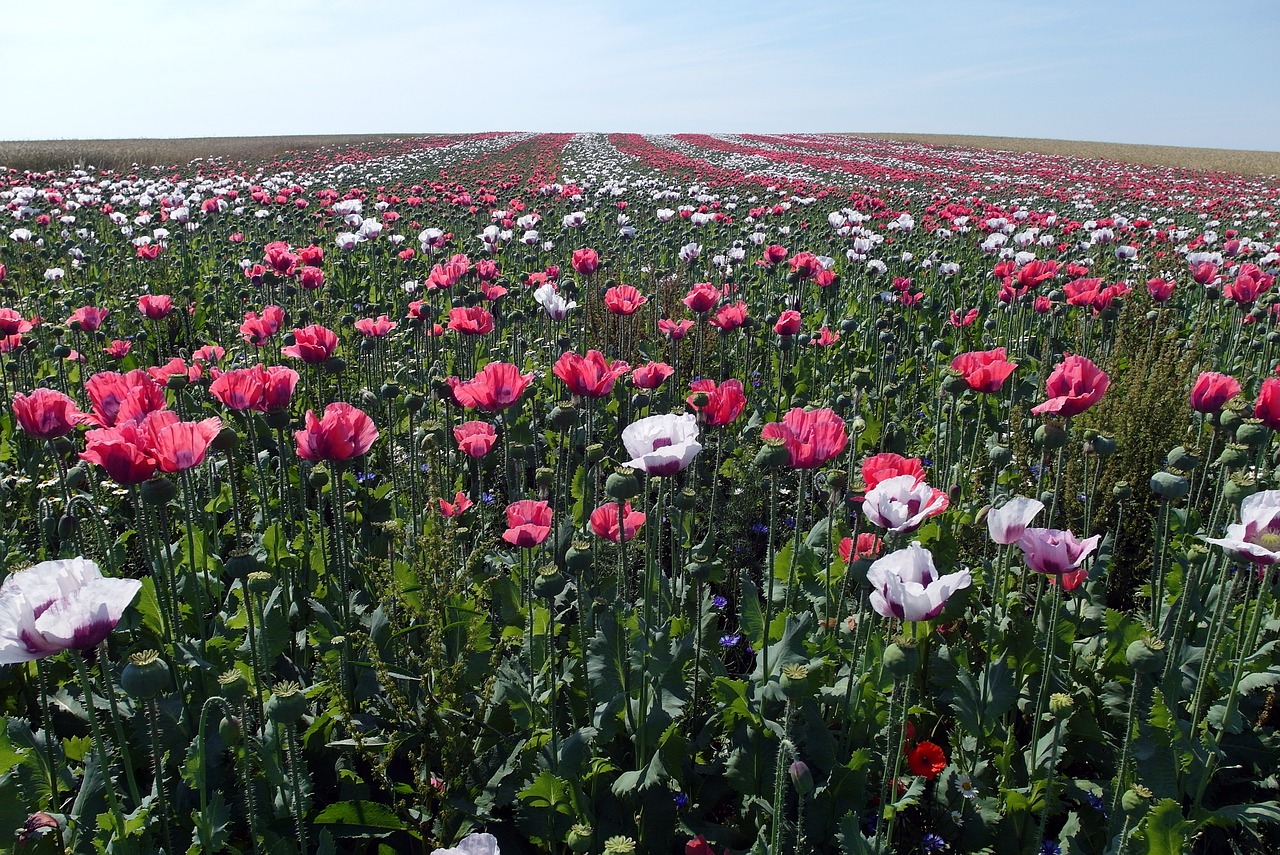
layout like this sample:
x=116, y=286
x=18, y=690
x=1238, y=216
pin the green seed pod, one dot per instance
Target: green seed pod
x=226, y=440
x=158, y=491
x=1103, y=446
x=1145, y=656
x=579, y=839
x=622, y=484
x=414, y=402
x=335, y=365
x=901, y=661
x=176, y=382
x=77, y=477
x=1169, y=486
x=595, y=453
x=544, y=477
x=578, y=557
x=1251, y=434
x=67, y=525
x=389, y=391
x=1122, y=490
x=619, y=845
x=1229, y=419
x=145, y=676
x=794, y=681
x=549, y=582
x=686, y=499
x=1136, y=798
x=1050, y=435
x=563, y=416
x=1238, y=488
x=640, y=400
x=277, y=419
x=1060, y=705
x=261, y=582
x=287, y=704
x=999, y=455
x=318, y=479
x=773, y=454
x=233, y=685
x=955, y=384
x=1181, y=459
x=240, y=563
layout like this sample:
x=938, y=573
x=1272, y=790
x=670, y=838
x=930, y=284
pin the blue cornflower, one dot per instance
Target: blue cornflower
x=730, y=639
x=718, y=602
x=932, y=843
x=487, y=498
x=789, y=522
x=1095, y=802
x=926, y=462
x=680, y=799
x=362, y=477
x=759, y=528
x=1050, y=847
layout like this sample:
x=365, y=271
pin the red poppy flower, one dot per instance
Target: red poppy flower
x=651, y=375
x=460, y=504
x=1267, y=407
x=984, y=370
x=313, y=344
x=178, y=445
x=674, y=330
x=471, y=320
x=375, y=327
x=788, y=323
x=585, y=261
x=774, y=254
x=881, y=467
x=495, y=387
x=866, y=546
x=730, y=317
x=702, y=297
x=155, y=306
x=604, y=521
x=123, y=451
x=1212, y=391
x=89, y=318
x=927, y=760
x=1075, y=385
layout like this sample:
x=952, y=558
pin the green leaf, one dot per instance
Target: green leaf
x=751, y=621
x=360, y=819
x=211, y=826
x=1165, y=829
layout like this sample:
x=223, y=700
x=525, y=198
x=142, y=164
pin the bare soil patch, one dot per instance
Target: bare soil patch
x=1202, y=159
x=123, y=155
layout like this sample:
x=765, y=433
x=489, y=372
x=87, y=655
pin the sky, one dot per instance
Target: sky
x=1137, y=71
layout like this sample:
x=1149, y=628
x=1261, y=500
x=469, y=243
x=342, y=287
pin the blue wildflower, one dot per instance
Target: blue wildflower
x=680, y=799
x=730, y=639
x=932, y=842
x=487, y=498
x=1050, y=847
x=718, y=602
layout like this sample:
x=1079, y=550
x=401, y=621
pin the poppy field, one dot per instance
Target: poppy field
x=612, y=493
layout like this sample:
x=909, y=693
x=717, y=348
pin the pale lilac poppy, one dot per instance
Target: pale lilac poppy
x=662, y=444
x=1257, y=535
x=1054, y=552
x=905, y=584
x=1007, y=523
x=59, y=605
x=472, y=844
x=903, y=503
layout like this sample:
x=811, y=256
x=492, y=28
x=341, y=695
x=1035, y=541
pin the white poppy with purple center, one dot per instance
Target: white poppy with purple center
x=1257, y=535
x=59, y=605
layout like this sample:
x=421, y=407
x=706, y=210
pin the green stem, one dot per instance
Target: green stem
x=99, y=738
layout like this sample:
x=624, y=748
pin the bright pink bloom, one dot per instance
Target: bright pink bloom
x=881, y=467
x=118, y=349
x=651, y=375
x=313, y=344
x=375, y=327
x=624, y=300
x=342, y=433
x=311, y=278
x=1212, y=391
x=604, y=522
x=1075, y=385
x=592, y=376
x=825, y=337
x=89, y=318
x=774, y=254
x=866, y=546
x=495, y=387
x=702, y=298
x=475, y=438
x=178, y=445
x=124, y=451
x=1267, y=407
x=812, y=437
x=674, y=330
x=471, y=320
x=725, y=401
x=984, y=370
x=122, y=397
x=528, y=523
x=460, y=504
x=46, y=413
x=959, y=319
x=155, y=306
x=1159, y=289
x=788, y=323
x=585, y=261
x=730, y=317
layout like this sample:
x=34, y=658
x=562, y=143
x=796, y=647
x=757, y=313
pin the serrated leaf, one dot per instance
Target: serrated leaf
x=360, y=819
x=1165, y=830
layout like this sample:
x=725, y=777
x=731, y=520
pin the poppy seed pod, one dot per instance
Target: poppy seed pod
x=1050, y=436
x=1232, y=457
x=578, y=557
x=1168, y=485
x=901, y=660
x=772, y=454
x=1145, y=656
x=549, y=582
x=622, y=484
x=233, y=685
x=1251, y=434
x=158, y=491
x=579, y=839
x=1181, y=459
x=287, y=704
x=1135, y=798
x=226, y=440
x=145, y=676
x=595, y=453
x=686, y=499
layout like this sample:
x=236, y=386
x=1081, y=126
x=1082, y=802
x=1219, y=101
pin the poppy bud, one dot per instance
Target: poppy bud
x=277, y=419
x=63, y=445
x=1050, y=436
x=230, y=729
x=801, y=777
x=61, y=351
x=77, y=477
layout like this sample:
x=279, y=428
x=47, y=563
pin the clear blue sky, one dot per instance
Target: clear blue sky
x=1172, y=73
